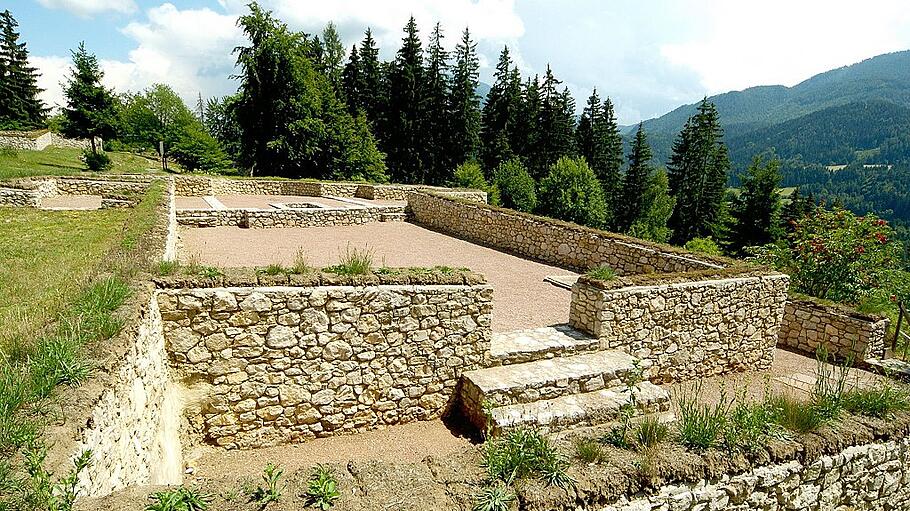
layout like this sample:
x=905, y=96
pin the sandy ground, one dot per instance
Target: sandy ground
x=191, y=203
x=408, y=443
x=521, y=298
x=72, y=202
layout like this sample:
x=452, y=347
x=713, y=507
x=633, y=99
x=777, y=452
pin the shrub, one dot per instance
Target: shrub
x=517, y=189
x=602, y=272
x=588, y=450
x=748, y=425
x=705, y=246
x=270, y=491
x=523, y=453
x=470, y=175
x=496, y=497
x=700, y=425
x=179, y=499
x=353, y=261
x=880, y=401
x=571, y=192
x=96, y=161
x=41, y=490
x=196, y=150
x=322, y=488
x=651, y=431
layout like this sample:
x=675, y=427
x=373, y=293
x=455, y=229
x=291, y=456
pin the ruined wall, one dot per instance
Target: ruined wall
x=844, y=332
x=27, y=192
x=282, y=364
x=103, y=187
x=686, y=330
x=869, y=477
x=548, y=240
x=133, y=432
x=38, y=140
x=267, y=218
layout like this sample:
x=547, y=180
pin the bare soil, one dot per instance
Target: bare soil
x=521, y=298
x=72, y=202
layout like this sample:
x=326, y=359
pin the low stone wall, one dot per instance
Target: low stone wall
x=103, y=187
x=844, y=332
x=26, y=192
x=551, y=241
x=268, y=218
x=133, y=431
x=870, y=476
x=281, y=364
x=39, y=140
x=686, y=329
x=170, y=243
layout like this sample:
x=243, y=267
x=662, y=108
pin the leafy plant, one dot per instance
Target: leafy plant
x=517, y=189
x=41, y=490
x=524, y=453
x=496, y=497
x=748, y=425
x=179, y=499
x=705, y=246
x=353, y=261
x=322, y=488
x=97, y=161
x=571, y=192
x=651, y=431
x=602, y=272
x=270, y=491
x=588, y=450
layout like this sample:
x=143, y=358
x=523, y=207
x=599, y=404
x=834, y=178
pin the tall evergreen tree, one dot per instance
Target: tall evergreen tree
x=658, y=207
x=698, y=175
x=372, y=89
x=555, y=125
x=797, y=207
x=756, y=212
x=20, y=106
x=498, y=127
x=598, y=140
x=333, y=58
x=465, y=103
x=405, y=137
x=437, y=118
x=584, y=132
x=527, y=132
x=351, y=81
x=635, y=184
x=90, y=108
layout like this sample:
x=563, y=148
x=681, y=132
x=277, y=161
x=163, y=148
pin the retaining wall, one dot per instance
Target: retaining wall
x=844, y=332
x=267, y=218
x=37, y=141
x=551, y=241
x=688, y=329
x=282, y=364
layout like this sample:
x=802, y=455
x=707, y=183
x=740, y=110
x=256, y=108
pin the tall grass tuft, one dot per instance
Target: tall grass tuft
x=353, y=261
x=699, y=425
x=524, y=453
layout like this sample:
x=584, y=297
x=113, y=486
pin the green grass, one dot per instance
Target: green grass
x=521, y=454
x=353, y=261
x=880, y=401
x=602, y=272
x=55, y=161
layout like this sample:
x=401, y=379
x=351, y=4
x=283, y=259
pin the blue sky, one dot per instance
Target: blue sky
x=648, y=56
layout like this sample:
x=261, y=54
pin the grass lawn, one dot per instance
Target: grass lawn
x=47, y=257
x=63, y=161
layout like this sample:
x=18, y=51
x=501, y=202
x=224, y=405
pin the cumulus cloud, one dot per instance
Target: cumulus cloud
x=53, y=71
x=87, y=8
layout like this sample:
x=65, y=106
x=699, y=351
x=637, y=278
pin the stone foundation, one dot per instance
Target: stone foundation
x=551, y=241
x=688, y=329
x=283, y=364
x=39, y=140
x=268, y=218
x=844, y=332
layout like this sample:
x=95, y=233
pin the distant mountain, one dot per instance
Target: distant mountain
x=849, y=113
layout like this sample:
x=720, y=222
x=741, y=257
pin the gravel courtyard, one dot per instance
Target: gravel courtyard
x=521, y=297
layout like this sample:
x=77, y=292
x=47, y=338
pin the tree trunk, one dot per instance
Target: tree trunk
x=94, y=149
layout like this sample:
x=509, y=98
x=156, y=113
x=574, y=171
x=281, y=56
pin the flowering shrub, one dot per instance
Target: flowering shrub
x=836, y=255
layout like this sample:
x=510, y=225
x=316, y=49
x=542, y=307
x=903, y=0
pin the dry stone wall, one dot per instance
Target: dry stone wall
x=844, y=333
x=686, y=330
x=37, y=141
x=289, y=363
x=103, y=187
x=870, y=477
x=133, y=432
x=549, y=240
x=268, y=218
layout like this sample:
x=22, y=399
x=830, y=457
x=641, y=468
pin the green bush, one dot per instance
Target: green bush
x=96, y=161
x=517, y=189
x=524, y=453
x=470, y=175
x=322, y=488
x=572, y=193
x=705, y=246
x=196, y=150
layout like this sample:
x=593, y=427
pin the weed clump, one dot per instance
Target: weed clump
x=602, y=272
x=322, y=488
x=353, y=261
x=525, y=453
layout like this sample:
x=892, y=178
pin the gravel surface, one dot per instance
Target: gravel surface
x=521, y=298
x=72, y=202
x=191, y=203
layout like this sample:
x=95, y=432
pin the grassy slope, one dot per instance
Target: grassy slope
x=60, y=161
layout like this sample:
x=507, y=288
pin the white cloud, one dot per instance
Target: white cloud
x=785, y=41
x=53, y=71
x=86, y=8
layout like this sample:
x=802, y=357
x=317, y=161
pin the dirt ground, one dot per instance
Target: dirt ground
x=72, y=202
x=265, y=201
x=521, y=298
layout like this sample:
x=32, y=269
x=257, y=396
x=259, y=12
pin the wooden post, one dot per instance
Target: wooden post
x=161, y=152
x=897, y=329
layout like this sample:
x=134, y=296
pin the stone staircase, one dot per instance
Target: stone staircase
x=556, y=378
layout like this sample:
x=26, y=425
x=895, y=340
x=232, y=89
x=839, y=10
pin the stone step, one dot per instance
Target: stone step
x=580, y=410
x=547, y=379
x=521, y=346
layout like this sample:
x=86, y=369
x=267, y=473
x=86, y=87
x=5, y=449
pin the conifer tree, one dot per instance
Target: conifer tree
x=527, y=131
x=584, y=132
x=20, y=106
x=438, y=119
x=635, y=184
x=351, y=81
x=598, y=140
x=795, y=209
x=556, y=125
x=333, y=58
x=757, y=209
x=465, y=103
x=499, y=118
x=698, y=175
x=372, y=88
x=658, y=207
x=405, y=136
x=90, y=107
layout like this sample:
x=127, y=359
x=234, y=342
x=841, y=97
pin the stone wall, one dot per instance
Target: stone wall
x=268, y=218
x=281, y=364
x=170, y=243
x=39, y=140
x=551, y=241
x=133, y=431
x=869, y=477
x=689, y=329
x=103, y=187
x=844, y=332
x=27, y=193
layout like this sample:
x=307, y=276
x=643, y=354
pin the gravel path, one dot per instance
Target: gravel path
x=521, y=298
x=72, y=202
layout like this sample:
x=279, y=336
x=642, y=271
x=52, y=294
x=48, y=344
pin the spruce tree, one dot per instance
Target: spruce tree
x=658, y=207
x=333, y=58
x=372, y=88
x=698, y=174
x=499, y=118
x=90, y=107
x=584, y=132
x=527, y=132
x=352, y=83
x=19, y=103
x=438, y=120
x=465, y=103
x=556, y=126
x=405, y=142
x=598, y=140
x=756, y=211
x=635, y=184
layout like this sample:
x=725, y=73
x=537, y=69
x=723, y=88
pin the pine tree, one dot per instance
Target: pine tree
x=333, y=58
x=556, y=125
x=351, y=81
x=756, y=211
x=405, y=140
x=527, y=131
x=598, y=140
x=20, y=106
x=635, y=183
x=465, y=103
x=500, y=113
x=438, y=120
x=90, y=108
x=698, y=175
